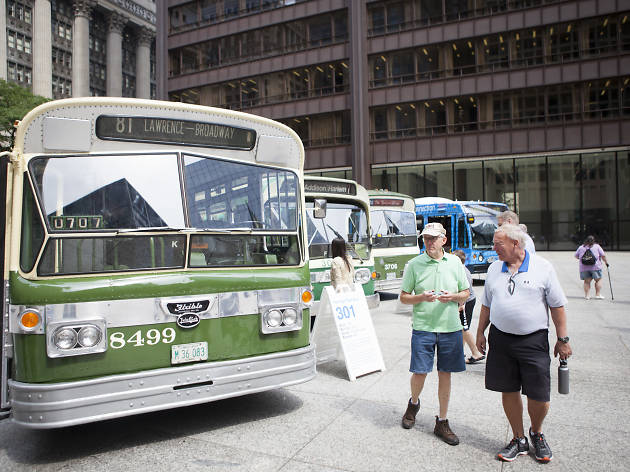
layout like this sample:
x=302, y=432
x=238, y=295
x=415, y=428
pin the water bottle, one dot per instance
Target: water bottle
x=563, y=377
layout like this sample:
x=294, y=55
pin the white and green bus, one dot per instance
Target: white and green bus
x=394, y=237
x=338, y=208
x=154, y=256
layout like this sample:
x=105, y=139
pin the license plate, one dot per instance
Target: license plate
x=181, y=353
x=391, y=275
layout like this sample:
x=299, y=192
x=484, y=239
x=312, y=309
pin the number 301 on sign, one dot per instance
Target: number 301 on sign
x=346, y=311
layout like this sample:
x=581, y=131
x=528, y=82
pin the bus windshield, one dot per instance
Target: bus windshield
x=144, y=192
x=393, y=228
x=485, y=223
x=345, y=220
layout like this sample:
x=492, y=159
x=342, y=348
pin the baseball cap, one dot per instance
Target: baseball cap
x=433, y=229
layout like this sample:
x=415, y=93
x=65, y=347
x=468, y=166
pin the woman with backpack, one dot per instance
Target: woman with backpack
x=590, y=256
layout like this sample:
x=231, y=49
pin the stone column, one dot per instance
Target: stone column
x=81, y=48
x=3, y=40
x=143, y=63
x=42, y=49
x=114, y=55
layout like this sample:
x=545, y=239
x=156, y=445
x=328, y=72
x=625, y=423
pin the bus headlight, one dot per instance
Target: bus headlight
x=76, y=338
x=362, y=276
x=480, y=258
x=89, y=336
x=65, y=338
x=289, y=317
x=273, y=318
x=279, y=319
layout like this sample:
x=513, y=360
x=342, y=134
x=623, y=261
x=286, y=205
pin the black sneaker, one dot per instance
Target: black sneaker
x=517, y=447
x=542, y=451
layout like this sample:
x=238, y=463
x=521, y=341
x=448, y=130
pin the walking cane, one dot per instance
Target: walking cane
x=612, y=297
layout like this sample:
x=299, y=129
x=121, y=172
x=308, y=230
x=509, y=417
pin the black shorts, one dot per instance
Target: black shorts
x=466, y=316
x=519, y=363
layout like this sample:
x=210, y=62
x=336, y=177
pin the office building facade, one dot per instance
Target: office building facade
x=525, y=102
x=78, y=48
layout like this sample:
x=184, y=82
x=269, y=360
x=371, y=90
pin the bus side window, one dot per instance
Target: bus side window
x=462, y=233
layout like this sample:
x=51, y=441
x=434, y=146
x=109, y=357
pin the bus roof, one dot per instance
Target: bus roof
x=129, y=124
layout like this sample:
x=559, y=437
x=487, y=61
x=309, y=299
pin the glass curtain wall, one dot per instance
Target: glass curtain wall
x=561, y=198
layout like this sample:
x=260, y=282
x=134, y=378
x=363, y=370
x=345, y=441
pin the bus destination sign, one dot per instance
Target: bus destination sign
x=320, y=186
x=172, y=131
x=386, y=202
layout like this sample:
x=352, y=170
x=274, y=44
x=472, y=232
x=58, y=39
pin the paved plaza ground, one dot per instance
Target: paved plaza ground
x=331, y=424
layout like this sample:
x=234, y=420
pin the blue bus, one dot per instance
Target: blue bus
x=469, y=226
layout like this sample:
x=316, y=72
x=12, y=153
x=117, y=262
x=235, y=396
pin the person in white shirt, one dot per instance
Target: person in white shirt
x=520, y=290
x=511, y=218
x=341, y=270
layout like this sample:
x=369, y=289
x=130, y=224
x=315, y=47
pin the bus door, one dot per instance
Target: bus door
x=462, y=237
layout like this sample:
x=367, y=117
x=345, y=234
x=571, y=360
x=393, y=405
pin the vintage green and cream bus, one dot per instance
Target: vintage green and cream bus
x=154, y=256
x=338, y=208
x=394, y=238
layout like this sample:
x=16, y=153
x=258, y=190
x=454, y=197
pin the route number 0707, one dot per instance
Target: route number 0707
x=117, y=339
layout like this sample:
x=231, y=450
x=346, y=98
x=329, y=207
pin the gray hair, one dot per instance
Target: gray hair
x=508, y=215
x=512, y=232
x=523, y=227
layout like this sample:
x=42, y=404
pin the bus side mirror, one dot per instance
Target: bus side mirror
x=319, y=208
x=470, y=218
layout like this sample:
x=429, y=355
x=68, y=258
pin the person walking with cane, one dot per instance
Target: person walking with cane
x=590, y=256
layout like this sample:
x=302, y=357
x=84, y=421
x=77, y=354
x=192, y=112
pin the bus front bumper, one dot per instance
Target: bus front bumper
x=387, y=285
x=42, y=406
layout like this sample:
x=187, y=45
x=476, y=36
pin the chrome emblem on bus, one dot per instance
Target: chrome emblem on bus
x=197, y=306
x=188, y=320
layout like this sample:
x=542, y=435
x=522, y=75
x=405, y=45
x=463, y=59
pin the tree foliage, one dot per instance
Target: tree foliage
x=15, y=103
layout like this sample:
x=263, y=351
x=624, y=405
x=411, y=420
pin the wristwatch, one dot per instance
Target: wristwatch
x=563, y=340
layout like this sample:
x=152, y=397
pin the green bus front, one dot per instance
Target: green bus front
x=394, y=237
x=140, y=281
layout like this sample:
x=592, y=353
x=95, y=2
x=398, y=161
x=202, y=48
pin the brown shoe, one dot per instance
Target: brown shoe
x=409, y=418
x=443, y=431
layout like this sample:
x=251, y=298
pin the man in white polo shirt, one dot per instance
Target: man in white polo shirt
x=518, y=290
x=508, y=217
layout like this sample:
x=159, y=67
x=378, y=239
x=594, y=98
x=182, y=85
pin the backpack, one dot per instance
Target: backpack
x=588, y=258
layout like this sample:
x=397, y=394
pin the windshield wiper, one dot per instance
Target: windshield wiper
x=353, y=252
x=334, y=231
x=148, y=229
x=392, y=225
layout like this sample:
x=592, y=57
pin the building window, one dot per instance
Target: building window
x=380, y=123
x=463, y=57
x=501, y=110
x=379, y=71
x=602, y=36
x=529, y=47
x=603, y=98
x=530, y=106
x=495, y=52
x=435, y=117
x=402, y=67
x=564, y=42
x=561, y=103
x=405, y=119
x=465, y=114
x=429, y=66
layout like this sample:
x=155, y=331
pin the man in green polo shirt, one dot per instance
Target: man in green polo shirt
x=435, y=283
